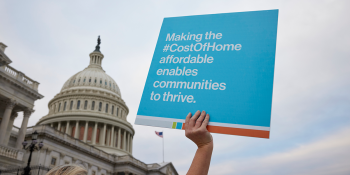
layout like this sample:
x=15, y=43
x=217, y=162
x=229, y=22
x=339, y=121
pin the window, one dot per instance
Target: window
x=73, y=81
x=89, y=136
x=81, y=133
x=84, y=80
x=100, y=81
x=93, y=105
x=116, y=111
x=59, y=107
x=110, y=85
x=73, y=132
x=95, y=80
x=78, y=104
x=106, y=83
x=89, y=80
x=85, y=105
x=64, y=106
x=106, y=108
x=100, y=107
x=79, y=80
x=53, y=161
x=112, y=110
x=71, y=105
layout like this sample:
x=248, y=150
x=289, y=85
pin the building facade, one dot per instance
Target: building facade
x=90, y=108
x=86, y=125
x=18, y=93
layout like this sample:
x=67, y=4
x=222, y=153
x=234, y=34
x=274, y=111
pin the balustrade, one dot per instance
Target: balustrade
x=10, y=152
x=21, y=77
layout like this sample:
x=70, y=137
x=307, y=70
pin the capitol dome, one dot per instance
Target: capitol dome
x=90, y=108
x=92, y=77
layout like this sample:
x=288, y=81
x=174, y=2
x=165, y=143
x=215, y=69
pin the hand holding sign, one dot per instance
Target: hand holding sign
x=221, y=63
x=196, y=128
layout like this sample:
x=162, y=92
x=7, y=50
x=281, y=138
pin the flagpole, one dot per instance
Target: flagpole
x=163, y=146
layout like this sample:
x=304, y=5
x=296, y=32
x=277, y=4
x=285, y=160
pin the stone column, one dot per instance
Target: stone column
x=108, y=137
x=124, y=141
x=127, y=142
x=5, y=120
x=47, y=157
x=115, y=139
x=23, y=130
x=112, y=137
x=67, y=128
x=86, y=131
x=9, y=128
x=94, y=134
x=59, y=126
x=76, y=134
x=118, y=143
x=131, y=138
x=61, y=161
x=103, y=135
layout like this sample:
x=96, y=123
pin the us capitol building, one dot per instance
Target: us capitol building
x=86, y=124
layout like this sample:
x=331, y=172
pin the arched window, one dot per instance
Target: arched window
x=78, y=104
x=100, y=81
x=106, y=83
x=100, y=106
x=89, y=80
x=116, y=111
x=106, y=108
x=112, y=110
x=93, y=105
x=73, y=81
x=95, y=80
x=84, y=80
x=64, y=106
x=59, y=107
x=71, y=105
x=85, y=105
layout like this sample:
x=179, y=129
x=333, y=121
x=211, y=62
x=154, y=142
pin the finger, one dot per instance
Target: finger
x=205, y=122
x=188, y=117
x=194, y=118
x=200, y=120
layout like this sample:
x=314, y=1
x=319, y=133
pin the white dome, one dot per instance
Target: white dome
x=93, y=77
x=90, y=108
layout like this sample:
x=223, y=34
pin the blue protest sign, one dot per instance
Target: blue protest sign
x=220, y=63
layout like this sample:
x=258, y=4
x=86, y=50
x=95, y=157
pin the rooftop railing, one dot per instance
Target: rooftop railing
x=19, y=76
x=12, y=153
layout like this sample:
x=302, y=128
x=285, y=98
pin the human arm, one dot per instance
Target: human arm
x=196, y=130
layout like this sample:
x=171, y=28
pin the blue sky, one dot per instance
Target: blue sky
x=310, y=126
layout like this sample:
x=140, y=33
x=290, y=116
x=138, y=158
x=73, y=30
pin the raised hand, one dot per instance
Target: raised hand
x=196, y=128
